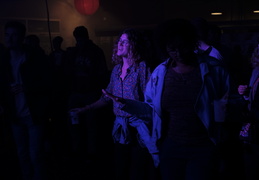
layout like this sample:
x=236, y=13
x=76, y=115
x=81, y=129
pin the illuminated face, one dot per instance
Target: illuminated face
x=13, y=38
x=123, y=46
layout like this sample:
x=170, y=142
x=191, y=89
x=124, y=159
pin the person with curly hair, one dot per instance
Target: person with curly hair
x=128, y=80
x=251, y=96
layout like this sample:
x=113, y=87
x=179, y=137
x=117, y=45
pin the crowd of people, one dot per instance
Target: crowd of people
x=172, y=107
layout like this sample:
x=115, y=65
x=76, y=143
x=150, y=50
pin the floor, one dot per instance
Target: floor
x=64, y=165
x=63, y=169
x=61, y=163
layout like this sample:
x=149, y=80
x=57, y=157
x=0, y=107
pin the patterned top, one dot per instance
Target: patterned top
x=131, y=87
x=182, y=123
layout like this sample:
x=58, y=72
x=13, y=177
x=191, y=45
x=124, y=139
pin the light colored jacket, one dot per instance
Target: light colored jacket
x=215, y=53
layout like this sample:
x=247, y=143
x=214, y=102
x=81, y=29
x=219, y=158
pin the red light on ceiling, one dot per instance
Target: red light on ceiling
x=86, y=7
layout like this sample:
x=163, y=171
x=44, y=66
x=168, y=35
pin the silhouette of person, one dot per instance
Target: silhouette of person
x=205, y=42
x=33, y=41
x=56, y=54
x=58, y=128
x=85, y=75
x=27, y=94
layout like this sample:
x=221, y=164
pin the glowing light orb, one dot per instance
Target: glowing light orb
x=86, y=7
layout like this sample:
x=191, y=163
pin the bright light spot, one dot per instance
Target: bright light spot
x=216, y=13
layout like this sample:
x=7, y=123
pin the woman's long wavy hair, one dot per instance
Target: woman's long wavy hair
x=138, y=46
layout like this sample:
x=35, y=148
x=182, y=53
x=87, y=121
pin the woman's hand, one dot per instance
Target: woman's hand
x=80, y=110
x=114, y=98
x=243, y=89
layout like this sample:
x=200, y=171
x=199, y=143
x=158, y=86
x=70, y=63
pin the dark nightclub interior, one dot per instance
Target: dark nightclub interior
x=104, y=19
x=60, y=17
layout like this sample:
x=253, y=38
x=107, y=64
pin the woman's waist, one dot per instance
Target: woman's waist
x=120, y=113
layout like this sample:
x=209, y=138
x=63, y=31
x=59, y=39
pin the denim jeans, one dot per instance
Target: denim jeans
x=29, y=140
x=188, y=162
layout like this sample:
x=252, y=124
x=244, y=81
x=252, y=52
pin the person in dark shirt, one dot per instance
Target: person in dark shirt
x=27, y=90
x=85, y=74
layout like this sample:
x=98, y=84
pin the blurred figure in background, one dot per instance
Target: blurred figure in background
x=85, y=72
x=58, y=126
x=33, y=41
x=8, y=154
x=202, y=28
x=57, y=53
x=27, y=95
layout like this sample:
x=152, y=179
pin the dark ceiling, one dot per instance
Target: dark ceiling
x=152, y=11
